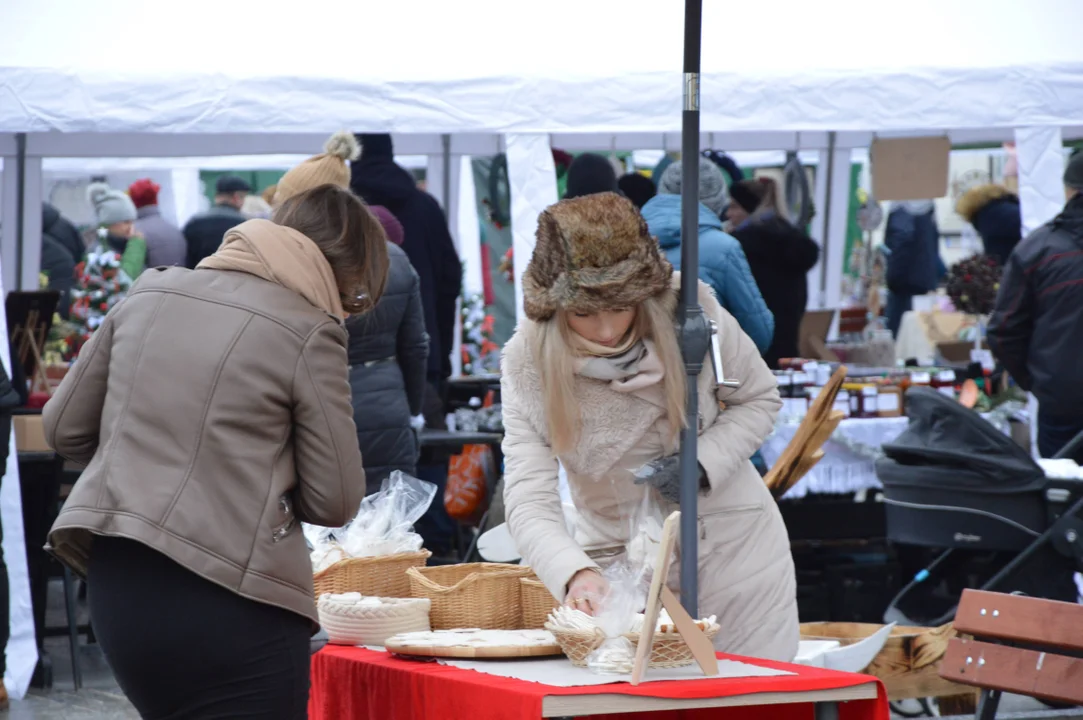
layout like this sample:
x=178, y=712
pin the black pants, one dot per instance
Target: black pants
x=183, y=647
x=1056, y=432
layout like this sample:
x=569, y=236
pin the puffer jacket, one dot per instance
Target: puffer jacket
x=746, y=570
x=722, y=264
x=212, y=410
x=388, y=352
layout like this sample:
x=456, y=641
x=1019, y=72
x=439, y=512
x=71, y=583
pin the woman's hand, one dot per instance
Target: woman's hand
x=586, y=591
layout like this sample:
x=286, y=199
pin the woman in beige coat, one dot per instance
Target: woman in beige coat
x=594, y=379
x=212, y=411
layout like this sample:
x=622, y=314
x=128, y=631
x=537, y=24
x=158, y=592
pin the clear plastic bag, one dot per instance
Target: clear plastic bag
x=383, y=525
x=629, y=581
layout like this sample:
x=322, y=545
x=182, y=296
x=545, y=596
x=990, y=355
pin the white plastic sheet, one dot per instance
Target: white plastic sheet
x=532, y=179
x=1040, y=153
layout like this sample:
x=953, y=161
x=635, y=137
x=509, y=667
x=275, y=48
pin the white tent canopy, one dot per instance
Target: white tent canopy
x=492, y=67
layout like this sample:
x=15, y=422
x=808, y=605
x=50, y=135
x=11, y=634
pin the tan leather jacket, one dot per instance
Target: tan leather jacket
x=213, y=412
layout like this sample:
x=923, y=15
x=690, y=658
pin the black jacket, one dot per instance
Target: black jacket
x=62, y=231
x=388, y=351
x=427, y=242
x=204, y=232
x=1036, y=330
x=780, y=256
x=914, y=243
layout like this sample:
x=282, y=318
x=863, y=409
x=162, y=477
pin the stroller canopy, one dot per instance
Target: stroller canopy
x=942, y=433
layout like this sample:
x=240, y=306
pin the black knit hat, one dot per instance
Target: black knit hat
x=1073, y=174
x=637, y=188
x=590, y=174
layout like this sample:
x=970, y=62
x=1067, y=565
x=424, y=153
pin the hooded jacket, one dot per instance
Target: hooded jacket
x=60, y=229
x=994, y=212
x=722, y=264
x=1035, y=327
x=426, y=240
x=780, y=257
x=913, y=239
x=212, y=410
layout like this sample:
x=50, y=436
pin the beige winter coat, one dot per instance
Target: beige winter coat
x=746, y=572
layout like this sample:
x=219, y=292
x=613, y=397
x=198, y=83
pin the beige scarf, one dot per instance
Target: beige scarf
x=283, y=256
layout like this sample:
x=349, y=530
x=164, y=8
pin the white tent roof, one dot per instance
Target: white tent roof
x=492, y=66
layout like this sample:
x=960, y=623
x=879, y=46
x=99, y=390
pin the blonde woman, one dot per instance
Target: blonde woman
x=594, y=379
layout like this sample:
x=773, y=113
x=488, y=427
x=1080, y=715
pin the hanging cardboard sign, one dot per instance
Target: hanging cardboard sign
x=910, y=168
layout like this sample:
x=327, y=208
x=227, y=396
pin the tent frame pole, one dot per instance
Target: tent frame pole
x=693, y=325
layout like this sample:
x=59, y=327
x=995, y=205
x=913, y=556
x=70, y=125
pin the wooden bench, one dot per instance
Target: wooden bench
x=1019, y=644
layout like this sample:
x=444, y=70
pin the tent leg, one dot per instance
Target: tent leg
x=695, y=330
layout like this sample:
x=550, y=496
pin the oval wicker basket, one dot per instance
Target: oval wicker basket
x=537, y=602
x=348, y=623
x=471, y=595
x=667, y=651
x=381, y=576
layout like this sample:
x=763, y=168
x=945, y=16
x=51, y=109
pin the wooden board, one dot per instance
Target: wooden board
x=1027, y=672
x=476, y=653
x=1021, y=619
x=654, y=597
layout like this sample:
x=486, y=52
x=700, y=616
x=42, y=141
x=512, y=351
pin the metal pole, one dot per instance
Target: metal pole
x=445, y=142
x=829, y=175
x=20, y=221
x=695, y=330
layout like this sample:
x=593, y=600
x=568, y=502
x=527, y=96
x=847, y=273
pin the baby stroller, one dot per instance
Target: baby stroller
x=954, y=482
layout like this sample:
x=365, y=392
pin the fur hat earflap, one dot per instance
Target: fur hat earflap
x=592, y=253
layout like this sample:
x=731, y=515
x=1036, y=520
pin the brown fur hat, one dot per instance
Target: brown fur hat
x=592, y=253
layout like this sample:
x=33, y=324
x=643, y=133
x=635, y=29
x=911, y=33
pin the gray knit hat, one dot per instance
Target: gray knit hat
x=110, y=206
x=712, y=186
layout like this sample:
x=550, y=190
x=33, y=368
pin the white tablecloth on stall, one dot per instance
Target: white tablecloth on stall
x=559, y=672
x=847, y=465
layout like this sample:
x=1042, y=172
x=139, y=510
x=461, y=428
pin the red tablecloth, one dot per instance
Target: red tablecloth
x=356, y=684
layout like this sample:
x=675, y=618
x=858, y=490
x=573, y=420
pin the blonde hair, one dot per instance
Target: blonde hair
x=555, y=360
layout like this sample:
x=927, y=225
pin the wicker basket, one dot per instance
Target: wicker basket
x=668, y=649
x=537, y=602
x=383, y=576
x=347, y=623
x=471, y=595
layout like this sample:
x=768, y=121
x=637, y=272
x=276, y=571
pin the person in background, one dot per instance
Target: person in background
x=211, y=409
x=733, y=171
x=203, y=233
x=255, y=207
x=427, y=243
x=994, y=212
x=116, y=215
x=57, y=261
x=722, y=262
x=637, y=188
x=588, y=174
x=1035, y=328
x=913, y=265
x=165, y=241
x=389, y=352
x=780, y=257
x=60, y=229
x=11, y=397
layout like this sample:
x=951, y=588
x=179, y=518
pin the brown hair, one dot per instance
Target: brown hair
x=268, y=194
x=765, y=190
x=348, y=235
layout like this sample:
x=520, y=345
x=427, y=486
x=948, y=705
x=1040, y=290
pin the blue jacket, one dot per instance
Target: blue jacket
x=913, y=267
x=722, y=264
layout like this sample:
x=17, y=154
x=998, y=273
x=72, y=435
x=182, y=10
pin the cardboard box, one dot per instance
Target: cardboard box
x=30, y=434
x=914, y=168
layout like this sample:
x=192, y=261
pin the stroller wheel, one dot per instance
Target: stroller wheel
x=907, y=709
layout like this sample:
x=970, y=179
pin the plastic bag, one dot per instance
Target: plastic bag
x=383, y=525
x=629, y=581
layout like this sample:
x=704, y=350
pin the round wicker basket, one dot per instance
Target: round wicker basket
x=382, y=576
x=667, y=651
x=348, y=623
x=471, y=595
x=537, y=602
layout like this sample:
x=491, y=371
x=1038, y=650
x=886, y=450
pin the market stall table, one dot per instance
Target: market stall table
x=361, y=684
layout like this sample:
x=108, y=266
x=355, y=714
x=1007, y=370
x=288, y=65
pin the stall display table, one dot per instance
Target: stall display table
x=361, y=684
x=848, y=465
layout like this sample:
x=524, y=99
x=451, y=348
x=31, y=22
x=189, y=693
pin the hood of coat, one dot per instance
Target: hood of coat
x=49, y=216
x=771, y=240
x=280, y=255
x=379, y=181
x=663, y=216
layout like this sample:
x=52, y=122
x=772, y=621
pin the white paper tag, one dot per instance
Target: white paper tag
x=985, y=357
